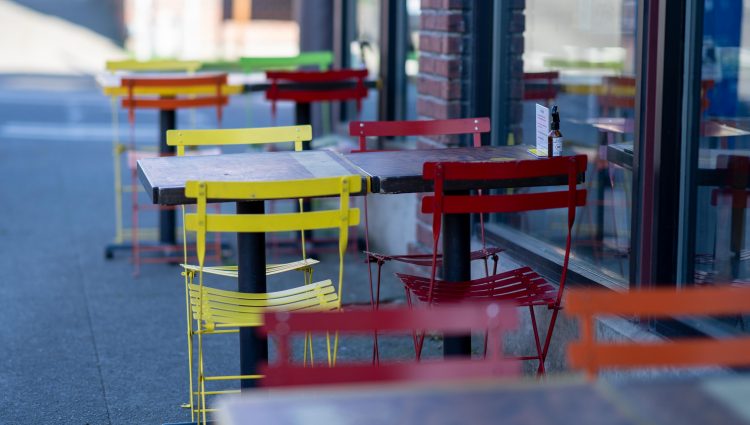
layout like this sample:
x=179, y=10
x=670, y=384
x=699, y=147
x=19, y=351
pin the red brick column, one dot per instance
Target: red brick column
x=442, y=84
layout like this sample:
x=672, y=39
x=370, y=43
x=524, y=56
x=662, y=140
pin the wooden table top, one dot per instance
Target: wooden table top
x=499, y=402
x=164, y=177
x=401, y=171
x=390, y=171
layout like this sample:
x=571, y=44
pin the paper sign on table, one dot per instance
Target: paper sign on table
x=542, y=130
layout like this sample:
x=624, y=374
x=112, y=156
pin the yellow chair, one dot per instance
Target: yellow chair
x=192, y=139
x=251, y=137
x=219, y=311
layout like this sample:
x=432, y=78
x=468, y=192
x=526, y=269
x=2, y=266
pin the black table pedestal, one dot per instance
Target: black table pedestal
x=251, y=256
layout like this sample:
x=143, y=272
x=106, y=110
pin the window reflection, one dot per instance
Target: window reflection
x=580, y=55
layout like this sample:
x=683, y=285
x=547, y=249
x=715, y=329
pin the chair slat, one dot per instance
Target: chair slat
x=419, y=127
x=510, y=170
x=456, y=318
x=683, y=352
x=289, y=189
x=317, y=76
x=239, y=136
x=661, y=302
x=269, y=223
x=464, y=204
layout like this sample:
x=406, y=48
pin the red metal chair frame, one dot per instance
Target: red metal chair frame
x=364, y=129
x=277, y=93
x=496, y=318
x=135, y=101
x=522, y=286
x=356, y=93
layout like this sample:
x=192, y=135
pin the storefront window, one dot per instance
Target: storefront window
x=722, y=171
x=580, y=56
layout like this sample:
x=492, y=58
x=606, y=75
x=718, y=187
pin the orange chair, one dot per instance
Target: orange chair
x=586, y=304
x=165, y=94
x=495, y=318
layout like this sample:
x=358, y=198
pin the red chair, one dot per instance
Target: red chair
x=451, y=127
x=454, y=319
x=540, y=86
x=165, y=94
x=307, y=87
x=302, y=89
x=473, y=126
x=522, y=286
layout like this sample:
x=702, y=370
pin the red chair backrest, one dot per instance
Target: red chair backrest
x=586, y=304
x=216, y=99
x=483, y=175
x=355, y=92
x=454, y=319
x=540, y=85
x=364, y=129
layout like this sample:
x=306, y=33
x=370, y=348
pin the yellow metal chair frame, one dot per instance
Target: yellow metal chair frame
x=183, y=139
x=217, y=311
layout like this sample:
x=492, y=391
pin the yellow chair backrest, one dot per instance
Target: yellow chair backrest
x=239, y=136
x=341, y=218
x=153, y=65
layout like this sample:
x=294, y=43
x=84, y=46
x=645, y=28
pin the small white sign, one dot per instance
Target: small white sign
x=542, y=129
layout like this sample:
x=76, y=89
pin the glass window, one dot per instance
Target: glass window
x=580, y=56
x=723, y=164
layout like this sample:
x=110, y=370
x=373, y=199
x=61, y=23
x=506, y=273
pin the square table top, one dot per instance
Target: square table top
x=164, y=177
x=657, y=401
x=389, y=171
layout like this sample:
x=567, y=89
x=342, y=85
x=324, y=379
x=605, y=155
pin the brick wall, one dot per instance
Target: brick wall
x=443, y=81
x=515, y=67
x=445, y=70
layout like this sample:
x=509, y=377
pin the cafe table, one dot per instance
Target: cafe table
x=388, y=172
x=567, y=401
x=110, y=84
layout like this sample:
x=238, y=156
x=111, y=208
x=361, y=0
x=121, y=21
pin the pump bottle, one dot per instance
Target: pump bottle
x=555, y=137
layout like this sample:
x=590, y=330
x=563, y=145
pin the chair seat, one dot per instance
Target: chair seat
x=522, y=286
x=271, y=269
x=426, y=259
x=227, y=309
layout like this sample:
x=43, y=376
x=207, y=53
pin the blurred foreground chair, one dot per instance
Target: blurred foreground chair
x=591, y=356
x=164, y=93
x=221, y=311
x=428, y=128
x=523, y=286
x=494, y=318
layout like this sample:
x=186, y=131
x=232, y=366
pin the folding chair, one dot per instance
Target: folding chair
x=317, y=86
x=493, y=318
x=164, y=93
x=220, y=311
x=540, y=86
x=522, y=286
x=119, y=148
x=308, y=87
x=592, y=356
x=451, y=127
